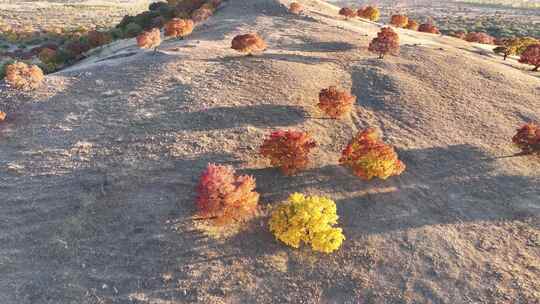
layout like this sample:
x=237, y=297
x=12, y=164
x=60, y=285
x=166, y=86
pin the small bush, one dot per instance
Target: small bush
x=369, y=157
x=480, y=37
x=531, y=56
x=296, y=8
x=3, y=116
x=23, y=76
x=288, y=150
x=47, y=55
x=428, y=28
x=201, y=14
x=149, y=39
x=386, y=42
x=178, y=28
x=515, y=46
x=412, y=25
x=225, y=197
x=347, y=12
x=370, y=13
x=527, y=139
x=248, y=43
x=132, y=30
x=96, y=39
x=308, y=220
x=335, y=103
x=399, y=20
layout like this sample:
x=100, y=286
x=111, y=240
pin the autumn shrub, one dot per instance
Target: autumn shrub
x=225, y=197
x=149, y=39
x=335, y=103
x=23, y=76
x=412, y=25
x=480, y=37
x=531, y=56
x=3, y=116
x=515, y=46
x=248, y=43
x=178, y=28
x=399, y=20
x=527, y=139
x=307, y=219
x=296, y=8
x=460, y=35
x=386, y=42
x=428, y=28
x=347, y=12
x=368, y=157
x=370, y=13
x=96, y=38
x=288, y=150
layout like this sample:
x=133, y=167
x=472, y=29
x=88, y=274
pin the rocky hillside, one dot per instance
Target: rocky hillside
x=98, y=170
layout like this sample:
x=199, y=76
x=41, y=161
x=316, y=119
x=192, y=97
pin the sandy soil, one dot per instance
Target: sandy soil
x=98, y=170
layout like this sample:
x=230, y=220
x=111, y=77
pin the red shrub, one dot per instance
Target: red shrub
x=428, y=28
x=149, y=39
x=178, y=28
x=224, y=196
x=531, y=56
x=369, y=157
x=480, y=38
x=2, y=116
x=460, y=35
x=386, y=42
x=347, y=12
x=296, y=8
x=288, y=150
x=335, y=103
x=399, y=20
x=527, y=138
x=248, y=43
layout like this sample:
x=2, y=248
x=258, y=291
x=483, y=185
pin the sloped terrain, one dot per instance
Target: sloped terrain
x=98, y=170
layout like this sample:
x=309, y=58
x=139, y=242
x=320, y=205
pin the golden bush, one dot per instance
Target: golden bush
x=23, y=76
x=296, y=8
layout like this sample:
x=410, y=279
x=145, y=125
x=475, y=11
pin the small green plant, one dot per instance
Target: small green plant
x=308, y=220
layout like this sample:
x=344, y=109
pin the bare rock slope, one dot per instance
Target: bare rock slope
x=98, y=170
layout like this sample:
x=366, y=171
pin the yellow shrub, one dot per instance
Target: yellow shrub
x=309, y=220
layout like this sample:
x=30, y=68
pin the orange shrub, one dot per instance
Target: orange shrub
x=531, y=56
x=23, y=76
x=412, y=25
x=386, y=42
x=370, y=13
x=2, y=116
x=178, y=28
x=399, y=20
x=369, y=157
x=480, y=38
x=428, y=28
x=248, y=43
x=288, y=150
x=347, y=12
x=296, y=8
x=527, y=138
x=149, y=39
x=335, y=103
x=225, y=197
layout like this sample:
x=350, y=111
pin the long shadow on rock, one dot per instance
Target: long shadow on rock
x=441, y=186
x=372, y=87
x=272, y=56
x=228, y=117
x=322, y=46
